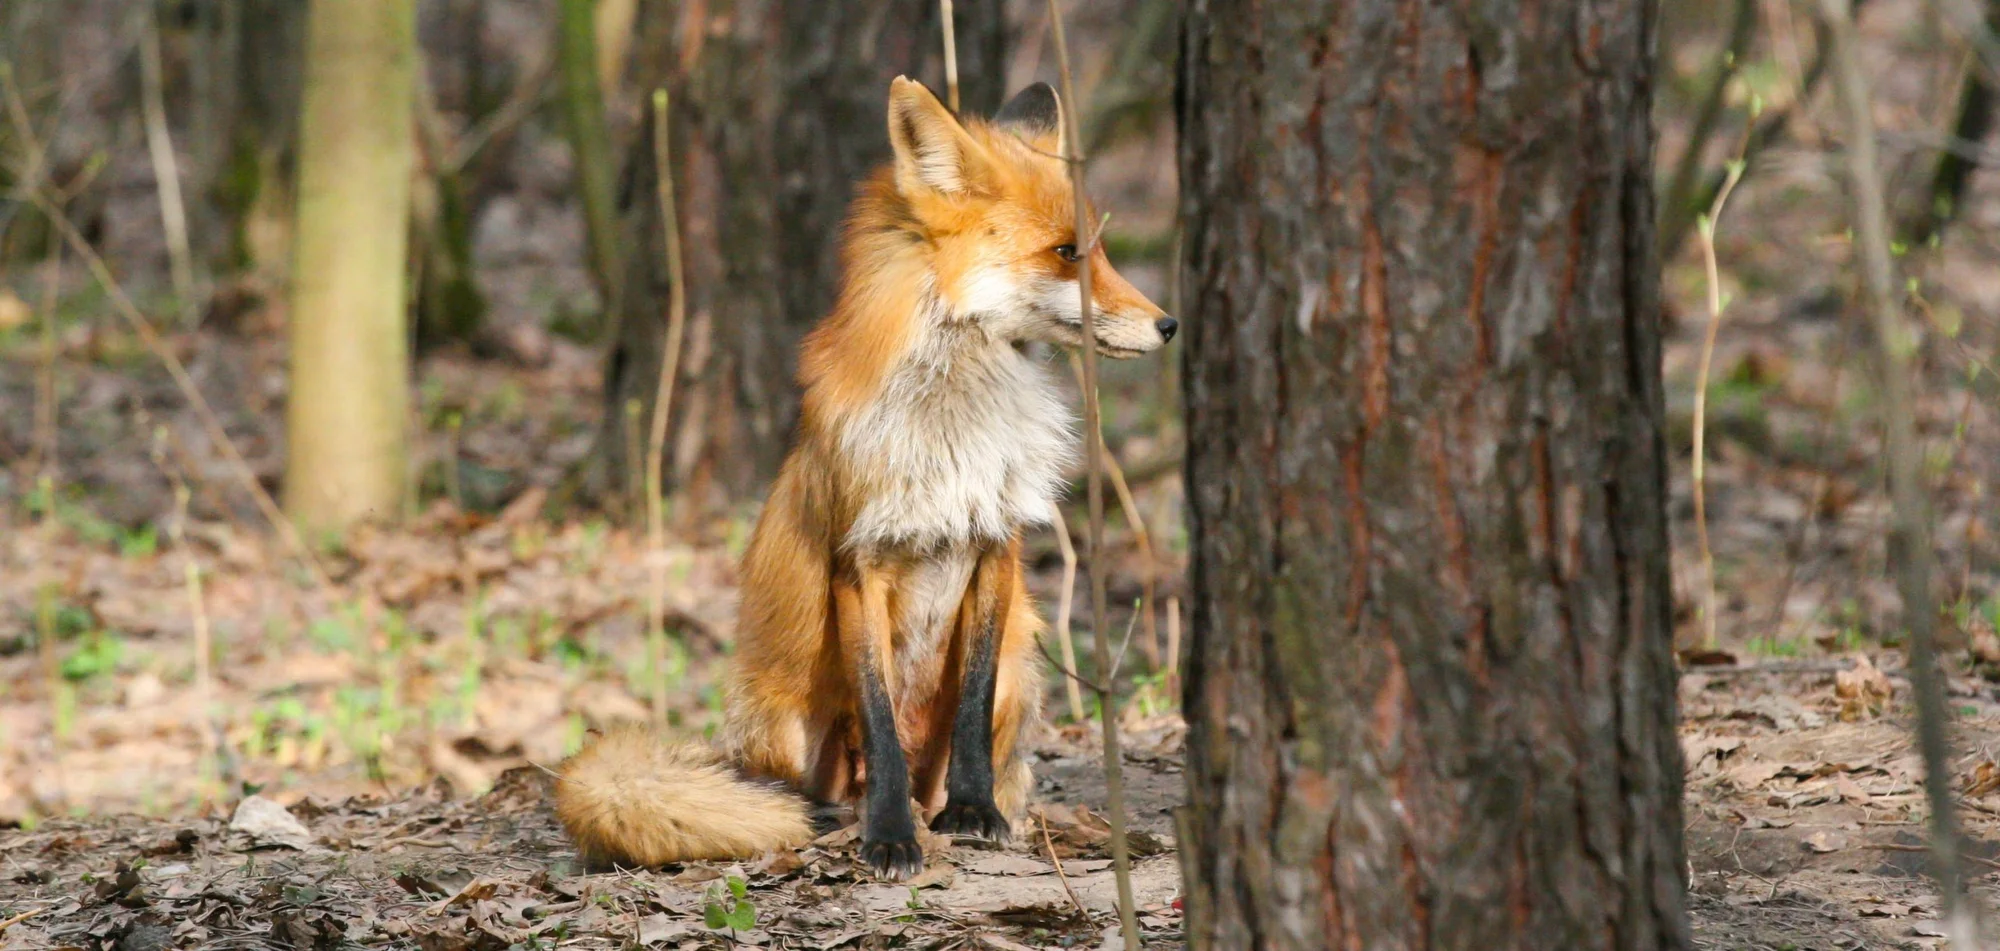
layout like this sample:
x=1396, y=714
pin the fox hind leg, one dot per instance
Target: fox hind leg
x=1017, y=706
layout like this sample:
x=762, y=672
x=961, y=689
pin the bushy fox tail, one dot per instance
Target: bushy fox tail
x=632, y=798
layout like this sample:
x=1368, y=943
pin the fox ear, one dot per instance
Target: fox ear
x=932, y=149
x=1035, y=114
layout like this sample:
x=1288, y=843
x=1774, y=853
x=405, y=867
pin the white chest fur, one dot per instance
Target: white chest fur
x=967, y=443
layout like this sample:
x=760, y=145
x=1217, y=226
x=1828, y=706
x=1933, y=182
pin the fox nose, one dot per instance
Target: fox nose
x=1166, y=326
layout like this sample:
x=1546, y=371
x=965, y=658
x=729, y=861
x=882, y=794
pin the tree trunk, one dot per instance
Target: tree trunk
x=245, y=167
x=1431, y=693
x=350, y=359
x=590, y=144
x=778, y=111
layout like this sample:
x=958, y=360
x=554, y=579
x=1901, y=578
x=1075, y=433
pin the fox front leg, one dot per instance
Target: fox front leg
x=888, y=829
x=970, y=810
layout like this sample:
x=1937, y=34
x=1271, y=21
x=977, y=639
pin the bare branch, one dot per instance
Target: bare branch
x=1114, y=772
x=1150, y=644
x=1680, y=200
x=1910, y=531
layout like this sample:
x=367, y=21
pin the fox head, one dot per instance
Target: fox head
x=994, y=201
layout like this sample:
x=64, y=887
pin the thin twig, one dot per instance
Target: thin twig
x=1148, y=579
x=47, y=473
x=1706, y=228
x=670, y=361
x=1801, y=667
x=1899, y=847
x=1114, y=771
x=166, y=172
x=1064, y=602
x=46, y=396
x=185, y=383
x=204, y=680
x=30, y=177
x=1118, y=662
x=1069, y=671
x=1764, y=134
x=1174, y=648
x=1952, y=175
x=32, y=912
x=950, y=57
x=1679, y=201
x=1049, y=843
x=53, y=685
x=1910, y=535
x=526, y=97
x=1795, y=543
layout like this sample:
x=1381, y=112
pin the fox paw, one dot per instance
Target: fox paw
x=893, y=859
x=972, y=820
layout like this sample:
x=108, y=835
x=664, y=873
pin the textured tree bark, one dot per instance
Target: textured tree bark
x=778, y=111
x=246, y=149
x=590, y=144
x=349, y=400
x=1431, y=693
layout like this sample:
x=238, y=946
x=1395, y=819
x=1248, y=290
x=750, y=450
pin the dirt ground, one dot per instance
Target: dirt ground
x=1804, y=814
x=428, y=871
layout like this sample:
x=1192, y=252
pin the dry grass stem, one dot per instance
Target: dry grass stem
x=1065, y=602
x=166, y=173
x=656, y=444
x=950, y=56
x=1705, y=227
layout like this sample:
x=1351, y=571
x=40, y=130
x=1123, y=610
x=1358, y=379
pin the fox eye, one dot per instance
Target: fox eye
x=1066, y=251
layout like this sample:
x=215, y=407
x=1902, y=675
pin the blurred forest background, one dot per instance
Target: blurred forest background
x=457, y=605
x=165, y=635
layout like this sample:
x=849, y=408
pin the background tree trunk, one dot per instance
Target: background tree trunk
x=778, y=111
x=1431, y=693
x=590, y=144
x=350, y=350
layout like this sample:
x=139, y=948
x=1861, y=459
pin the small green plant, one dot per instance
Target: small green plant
x=590, y=548
x=1848, y=639
x=915, y=904
x=1768, y=646
x=507, y=637
x=64, y=715
x=141, y=542
x=335, y=633
x=1149, y=693
x=97, y=655
x=67, y=621
x=729, y=906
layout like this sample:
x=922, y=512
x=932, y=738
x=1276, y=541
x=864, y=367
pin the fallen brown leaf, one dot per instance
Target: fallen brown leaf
x=1864, y=691
x=1825, y=841
x=1985, y=779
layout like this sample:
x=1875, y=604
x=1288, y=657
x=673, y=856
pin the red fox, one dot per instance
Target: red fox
x=886, y=644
